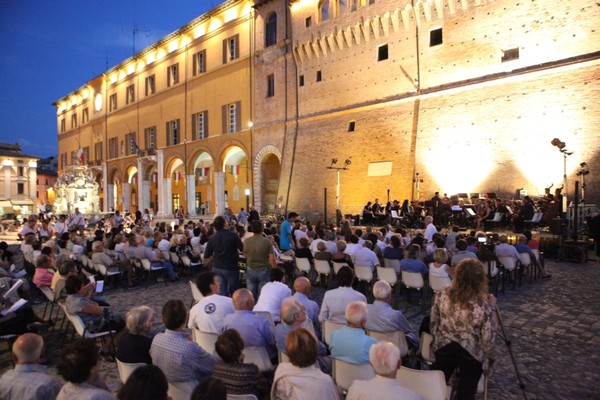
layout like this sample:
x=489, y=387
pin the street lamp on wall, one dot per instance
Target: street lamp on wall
x=247, y=193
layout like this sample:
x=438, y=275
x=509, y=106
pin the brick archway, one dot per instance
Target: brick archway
x=257, y=175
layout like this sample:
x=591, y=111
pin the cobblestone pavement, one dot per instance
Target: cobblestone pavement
x=553, y=326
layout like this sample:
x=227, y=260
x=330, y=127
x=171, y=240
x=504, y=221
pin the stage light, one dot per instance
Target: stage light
x=556, y=142
x=333, y=161
x=348, y=162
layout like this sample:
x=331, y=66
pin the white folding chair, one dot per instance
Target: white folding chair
x=149, y=268
x=364, y=274
x=82, y=331
x=438, y=283
x=258, y=355
x=266, y=315
x=105, y=272
x=126, y=369
x=512, y=267
x=49, y=293
x=392, y=263
x=396, y=337
x=303, y=264
x=526, y=262
x=323, y=268
x=338, y=265
x=344, y=374
x=413, y=280
x=205, y=340
x=328, y=328
x=389, y=275
x=430, y=385
x=181, y=390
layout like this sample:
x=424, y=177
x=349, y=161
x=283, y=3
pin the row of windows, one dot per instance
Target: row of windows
x=129, y=146
x=333, y=8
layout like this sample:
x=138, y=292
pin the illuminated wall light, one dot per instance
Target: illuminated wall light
x=150, y=58
x=215, y=23
x=33, y=164
x=68, y=104
x=86, y=94
x=185, y=41
x=247, y=9
x=300, y=4
x=231, y=14
x=8, y=163
x=130, y=69
x=173, y=45
x=200, y=30
x=122, y=75
x=161, y=54
x=140, y=66
x=113, y=78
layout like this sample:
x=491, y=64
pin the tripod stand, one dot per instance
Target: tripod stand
x=508, y=344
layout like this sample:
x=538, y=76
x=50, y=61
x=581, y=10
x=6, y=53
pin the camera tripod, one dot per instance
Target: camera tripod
x=507, y=342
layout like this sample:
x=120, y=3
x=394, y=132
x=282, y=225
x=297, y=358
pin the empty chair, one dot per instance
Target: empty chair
x=126, y=369
x=345, y=373
x=392, y=263
x=181, y=390
x=205, y=340
x=430, y=385
x=258, y=355
x=328, y=328
x=323, y=268
x=398, y=338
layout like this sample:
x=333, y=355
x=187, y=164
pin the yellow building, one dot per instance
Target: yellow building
x=170, y=127
x=259, y=96
x=17, y=180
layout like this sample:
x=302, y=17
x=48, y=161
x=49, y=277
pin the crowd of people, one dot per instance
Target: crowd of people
x=462, y=318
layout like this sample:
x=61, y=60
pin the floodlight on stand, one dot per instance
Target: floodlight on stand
x=558, y=143
x=348, y=162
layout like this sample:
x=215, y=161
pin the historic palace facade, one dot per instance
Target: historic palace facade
x=251, y=101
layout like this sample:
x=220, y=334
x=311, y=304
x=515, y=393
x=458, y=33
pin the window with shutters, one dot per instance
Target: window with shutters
x=173, y=132
x=271, y=30
x=63, y=125
x=232, y=117
x=112, y=102
x=199, y=63
x=85, y=115
x=98, y=152
x=200, y=125
x=150, y=137
x=86, y=154
x=73, y=121
x=130, y=94
x=150, y=85
x=130, y=144
x=173, y=75
x=113, y=148
x=231, y=49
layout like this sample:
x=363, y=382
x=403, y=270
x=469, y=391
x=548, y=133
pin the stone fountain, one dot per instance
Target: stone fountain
x=77, y=188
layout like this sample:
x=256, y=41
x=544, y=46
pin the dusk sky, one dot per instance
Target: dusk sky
x=52, y=47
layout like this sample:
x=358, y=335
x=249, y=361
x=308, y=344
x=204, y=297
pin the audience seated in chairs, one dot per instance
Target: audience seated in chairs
x=383, y=318
x=238, y=377
x=300, y=378
x=385, y=359
x=411, y=263
x=302, y=289
x=293, y=316
x=208, y=314
x=134, y=345
x=461, y=246
x=334, y=301
x=78, y=365
x=146, y=382
x=29, y=379
x=439, y=267
x=351, y=344
x=100, y=257
x=340, y=256
x=254, y=330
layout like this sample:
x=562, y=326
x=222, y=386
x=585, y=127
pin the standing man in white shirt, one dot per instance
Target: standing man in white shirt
x=208, y=314
x=430, y=228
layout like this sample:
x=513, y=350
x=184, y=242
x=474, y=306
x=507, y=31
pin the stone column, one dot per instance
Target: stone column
x=219, y=204
x=32, y=183
x=145, y=195
x=190, y=187
x=161, y=210
x=109, y=196
x=167, y=198
x=126, y=193
x=140, y=184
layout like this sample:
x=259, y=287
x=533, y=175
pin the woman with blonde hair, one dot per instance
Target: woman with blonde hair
x=439, y=267
x=464, y=327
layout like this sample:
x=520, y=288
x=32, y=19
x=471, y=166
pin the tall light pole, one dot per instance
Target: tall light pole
x=337, y=169
x=562, y=148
